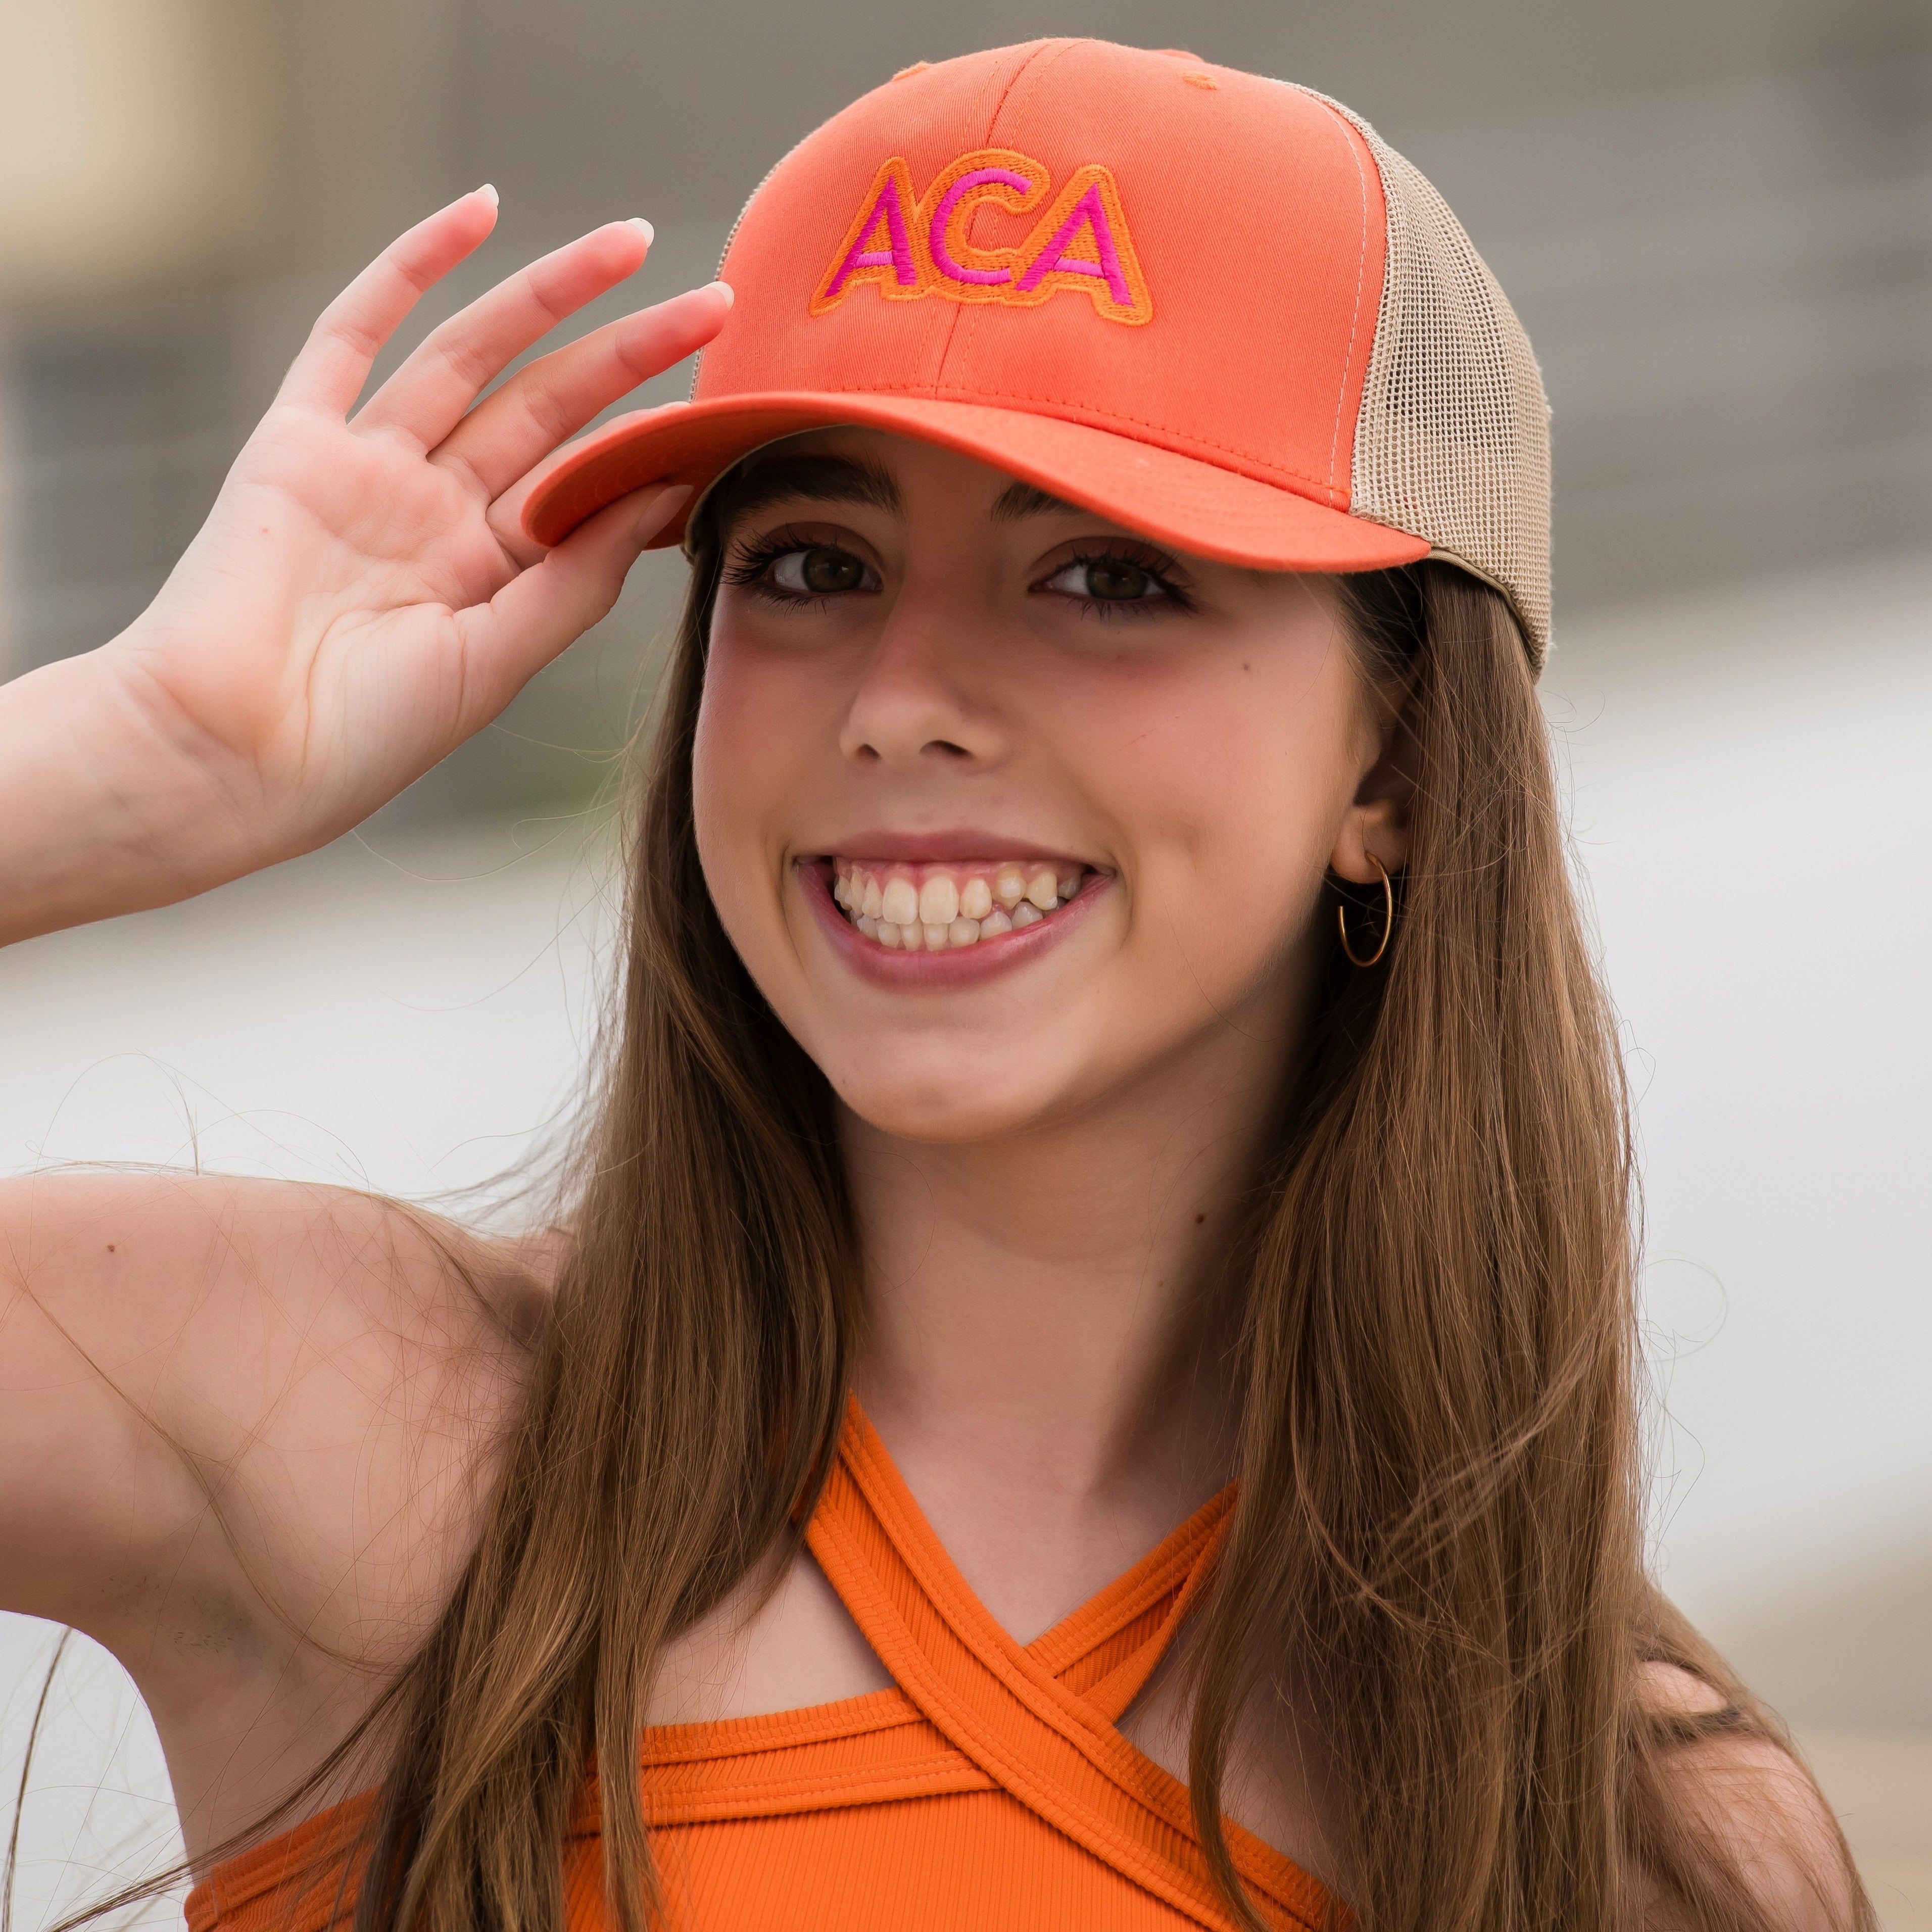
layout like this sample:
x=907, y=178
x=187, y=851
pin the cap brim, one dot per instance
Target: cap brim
x=1197, y=506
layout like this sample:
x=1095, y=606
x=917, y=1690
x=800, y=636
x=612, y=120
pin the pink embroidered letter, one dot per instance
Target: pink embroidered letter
x=940, y=248
x=1091, y=201
x=884, y=207
x=908, y=247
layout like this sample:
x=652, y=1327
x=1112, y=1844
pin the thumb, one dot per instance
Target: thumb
x=543, y=611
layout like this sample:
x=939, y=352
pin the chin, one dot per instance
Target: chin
x=933, y=1104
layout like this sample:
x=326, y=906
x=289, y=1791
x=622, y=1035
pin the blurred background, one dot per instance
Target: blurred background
x=1714, y=216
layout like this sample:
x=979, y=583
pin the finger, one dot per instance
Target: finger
x=544, y=610
x=508, y=432
x=349, y=334
x=425, y=400
x=506, y=514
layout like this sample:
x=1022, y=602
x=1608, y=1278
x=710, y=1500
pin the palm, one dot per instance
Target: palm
x=340, y=562
x=362, y=598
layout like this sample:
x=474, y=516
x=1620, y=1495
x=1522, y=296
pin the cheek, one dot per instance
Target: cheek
x=743, y=691
x=749, y=756
x=1229, y=777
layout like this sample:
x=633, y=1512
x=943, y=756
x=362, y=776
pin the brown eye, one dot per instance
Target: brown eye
x=1111, y=579
x=822, y=572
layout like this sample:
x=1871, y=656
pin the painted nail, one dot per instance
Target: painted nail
x=488, y=189
x=644, y=229
x=730, y=294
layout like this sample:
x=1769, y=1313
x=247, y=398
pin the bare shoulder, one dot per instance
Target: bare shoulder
x=1746, y=1794
x=248, y=1431
x=192, y=1362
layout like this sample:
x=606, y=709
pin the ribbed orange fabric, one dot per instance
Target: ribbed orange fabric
x=989, y=1788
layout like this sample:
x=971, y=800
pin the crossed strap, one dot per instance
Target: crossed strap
x=1039, y=1720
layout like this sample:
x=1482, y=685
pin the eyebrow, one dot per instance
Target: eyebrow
x=1018, y=501
x=821, y=479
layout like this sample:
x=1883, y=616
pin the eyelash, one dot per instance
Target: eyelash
x=747, y=568
x=748, y=571
x=1113, y=610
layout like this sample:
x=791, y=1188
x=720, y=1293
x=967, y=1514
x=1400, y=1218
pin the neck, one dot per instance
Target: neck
x=1049, y=1346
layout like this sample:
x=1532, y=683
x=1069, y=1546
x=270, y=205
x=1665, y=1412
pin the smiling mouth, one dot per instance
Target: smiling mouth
x=940, y=908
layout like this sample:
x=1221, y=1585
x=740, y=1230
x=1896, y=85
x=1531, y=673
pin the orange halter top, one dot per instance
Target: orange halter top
x=989, y=1787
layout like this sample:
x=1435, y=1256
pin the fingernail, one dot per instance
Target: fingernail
x=644, y=229
x=488, y=189
x=665, y=505
x=730, y=294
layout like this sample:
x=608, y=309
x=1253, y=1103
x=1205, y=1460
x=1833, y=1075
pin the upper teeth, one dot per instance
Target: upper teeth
x=929, y=908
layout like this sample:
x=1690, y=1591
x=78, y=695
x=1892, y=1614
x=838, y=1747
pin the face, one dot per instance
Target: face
x=1009, y=812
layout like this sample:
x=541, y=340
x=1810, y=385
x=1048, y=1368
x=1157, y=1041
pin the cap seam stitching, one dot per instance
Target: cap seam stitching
x=1049, y=49
x=1355, y=320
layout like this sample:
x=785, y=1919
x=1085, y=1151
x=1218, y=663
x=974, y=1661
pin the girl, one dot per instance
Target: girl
x=1086, y=1375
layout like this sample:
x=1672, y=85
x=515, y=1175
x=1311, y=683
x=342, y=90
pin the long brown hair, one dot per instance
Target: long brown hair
x=1438, y=1521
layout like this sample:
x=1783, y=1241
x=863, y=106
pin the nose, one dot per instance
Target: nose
x=916, y=705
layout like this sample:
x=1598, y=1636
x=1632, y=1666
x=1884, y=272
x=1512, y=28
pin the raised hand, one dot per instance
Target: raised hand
x=361, y=599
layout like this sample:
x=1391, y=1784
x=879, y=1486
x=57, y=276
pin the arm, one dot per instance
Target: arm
x=360, y=600
x=245, y=1429
x=240, y=1423
x=241, y=1389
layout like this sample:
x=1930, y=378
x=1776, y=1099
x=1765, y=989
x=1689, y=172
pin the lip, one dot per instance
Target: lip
x=944, y=848
x=957, y=968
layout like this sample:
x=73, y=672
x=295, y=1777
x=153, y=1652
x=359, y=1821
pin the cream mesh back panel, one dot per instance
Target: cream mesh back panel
x=1453, y=442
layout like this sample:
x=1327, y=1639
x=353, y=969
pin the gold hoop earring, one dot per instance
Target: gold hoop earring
x=1388, y=919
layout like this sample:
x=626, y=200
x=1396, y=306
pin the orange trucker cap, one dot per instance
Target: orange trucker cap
x=1215, y=308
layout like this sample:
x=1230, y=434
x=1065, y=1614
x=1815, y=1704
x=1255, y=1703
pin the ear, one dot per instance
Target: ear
x=1377, y=818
